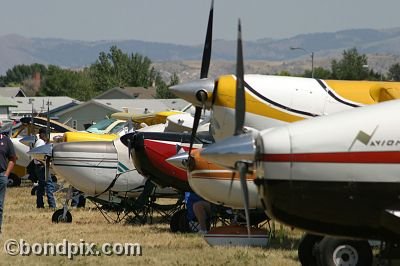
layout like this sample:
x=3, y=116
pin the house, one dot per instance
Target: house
x=128, y=93
x=5, y=105
x=12, y=92
x=98, y=109
x=38, y=105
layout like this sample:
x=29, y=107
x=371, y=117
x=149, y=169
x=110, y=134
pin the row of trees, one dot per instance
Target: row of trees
x=112, y=69
x=118, y=69
x=352, y=66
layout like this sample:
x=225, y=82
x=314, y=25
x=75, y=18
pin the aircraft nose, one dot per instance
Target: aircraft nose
x=231, y=150
x=179, y=160
x=189, y=91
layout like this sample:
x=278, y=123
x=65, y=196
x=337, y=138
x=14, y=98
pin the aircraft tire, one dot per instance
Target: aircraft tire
x=175, y=220
x=14, y=180
x=58, y=217
x=306, y=253
x=336, y=251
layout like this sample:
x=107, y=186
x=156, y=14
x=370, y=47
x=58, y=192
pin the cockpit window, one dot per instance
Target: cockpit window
x=118, y=127
x=101, y=125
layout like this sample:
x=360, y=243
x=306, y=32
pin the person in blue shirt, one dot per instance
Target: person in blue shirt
x=198, y=208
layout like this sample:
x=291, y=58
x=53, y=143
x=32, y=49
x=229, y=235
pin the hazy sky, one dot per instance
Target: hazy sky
x=184, y=21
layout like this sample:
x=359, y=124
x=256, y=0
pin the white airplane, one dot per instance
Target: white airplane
x=335, y=177
x=102, y=170
x=270, y=101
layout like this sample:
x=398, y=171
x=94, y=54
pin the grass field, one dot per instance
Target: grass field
x=159, y=246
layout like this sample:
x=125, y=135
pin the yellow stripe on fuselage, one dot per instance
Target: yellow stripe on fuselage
x=227, y=94
x=359, y=91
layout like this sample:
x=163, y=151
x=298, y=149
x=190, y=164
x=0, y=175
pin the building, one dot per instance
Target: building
x=39, y=106
x=128, y=93
x=12, y=92
x=5, y=105
x=98, y=109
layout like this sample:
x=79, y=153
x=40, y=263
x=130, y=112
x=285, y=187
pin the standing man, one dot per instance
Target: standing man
x=44, y=186
x=7, y=162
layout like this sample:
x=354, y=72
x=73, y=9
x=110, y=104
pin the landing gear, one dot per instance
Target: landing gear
x=63, y=215
x=308, y=249
x=14, y=180
x=60, y=217
x=336, y=251
x=317, y=250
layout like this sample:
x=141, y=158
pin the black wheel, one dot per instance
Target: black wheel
x=184, y=223
x=336, y=251
x=58, y=217
x=176, y=217
x=14, y=180
x=306, y=250
x=34, y=190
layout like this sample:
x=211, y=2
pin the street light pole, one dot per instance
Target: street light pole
x=312, y=58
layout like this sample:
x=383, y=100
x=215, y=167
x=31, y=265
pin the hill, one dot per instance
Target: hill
x=383, y=45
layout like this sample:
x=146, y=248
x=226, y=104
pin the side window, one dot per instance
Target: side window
x=74, y=124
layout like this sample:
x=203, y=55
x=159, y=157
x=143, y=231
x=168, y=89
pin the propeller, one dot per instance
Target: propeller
x=240, y=105
x=201, y=95
x=236, y=152
x=38, y=153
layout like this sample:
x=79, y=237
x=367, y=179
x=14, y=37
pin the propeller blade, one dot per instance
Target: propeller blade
x=47, y=168
x=205, y=62
x=28, y=140
x=231, y=184
x=240, y=94
x=242, y=168
x=129, y=147
x=42, y=152
x=196, y=121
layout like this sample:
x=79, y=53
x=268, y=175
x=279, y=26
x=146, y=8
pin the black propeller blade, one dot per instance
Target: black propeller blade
x=240, y=94
x=241, y=166
x=201, y=95
x=205, y=63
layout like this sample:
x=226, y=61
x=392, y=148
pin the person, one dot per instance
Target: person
x=7, y=162
x=198, y=208
x=43, y=185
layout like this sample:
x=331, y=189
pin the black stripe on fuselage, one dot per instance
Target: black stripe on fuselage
x=330, y=93
x=277, y=104
x=347, y=209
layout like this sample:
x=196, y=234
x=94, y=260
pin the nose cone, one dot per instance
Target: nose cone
x=189, y=90
x=179, y=160
x=231, y=150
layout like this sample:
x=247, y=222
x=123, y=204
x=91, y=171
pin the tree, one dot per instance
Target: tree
x=319, y=72
x=394, y=72
x=19, y=73
x=351, y=66
x=66, y=82
x=162, y=90
x=117, y=69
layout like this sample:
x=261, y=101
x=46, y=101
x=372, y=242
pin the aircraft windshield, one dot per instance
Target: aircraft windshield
x=101, y=125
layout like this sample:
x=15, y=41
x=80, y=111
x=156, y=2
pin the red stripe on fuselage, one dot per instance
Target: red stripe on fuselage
x=336, y=157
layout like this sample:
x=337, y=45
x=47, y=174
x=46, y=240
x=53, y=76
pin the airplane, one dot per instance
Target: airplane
x=270, y=101
x=102, y=170
x=149, y=151
x=336, y=177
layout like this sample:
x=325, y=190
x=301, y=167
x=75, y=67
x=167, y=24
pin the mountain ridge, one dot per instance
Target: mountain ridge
x=16, y=49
